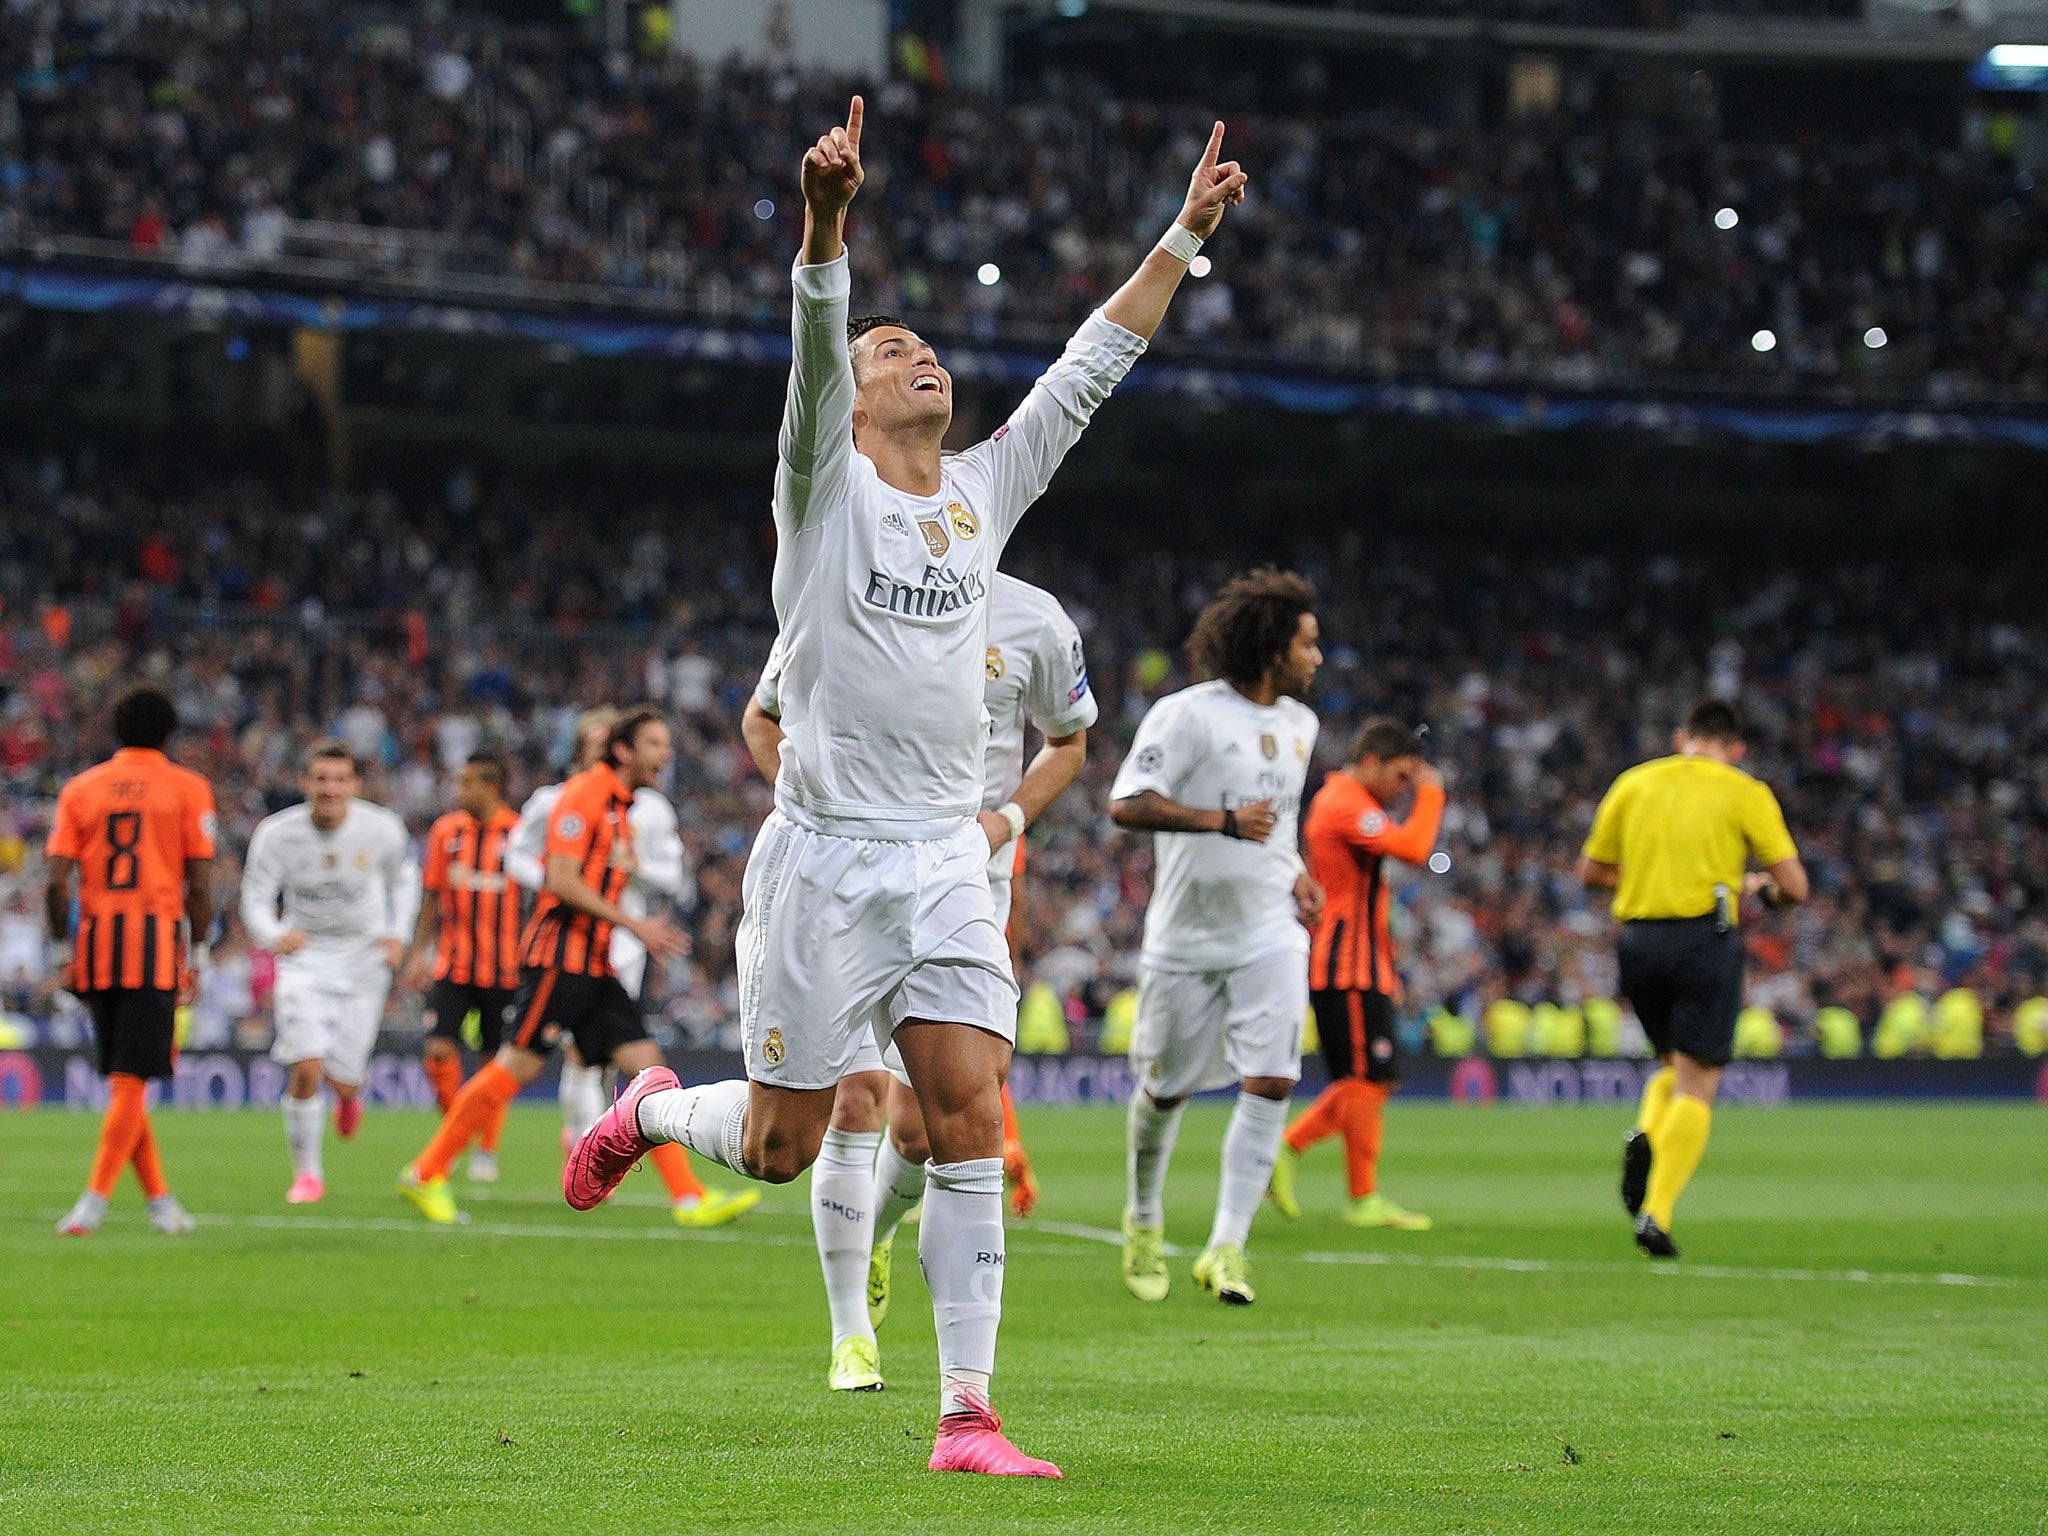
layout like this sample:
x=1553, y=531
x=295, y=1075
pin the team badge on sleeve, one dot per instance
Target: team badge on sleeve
x=1372, y=823
x=1150, y=759
x=570, y=826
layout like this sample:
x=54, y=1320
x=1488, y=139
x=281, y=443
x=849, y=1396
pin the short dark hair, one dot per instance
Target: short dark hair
x=1250, y=625
x=332, y=752
x=860, y=325
x=627, y=727
x=1716, y=720
x=1385, y=738
x=493, y=767
x=144, y=717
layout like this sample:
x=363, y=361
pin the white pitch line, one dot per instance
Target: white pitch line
x=1671, y=1271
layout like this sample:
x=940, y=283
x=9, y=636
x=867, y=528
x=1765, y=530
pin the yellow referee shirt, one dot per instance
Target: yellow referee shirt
x=1679, y=827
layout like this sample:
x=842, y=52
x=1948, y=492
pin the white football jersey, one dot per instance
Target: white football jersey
x=661, y=872
x=344, y=889
x=882, y=596
x=1220, y=902
x=1036, y=674
x=526, y=849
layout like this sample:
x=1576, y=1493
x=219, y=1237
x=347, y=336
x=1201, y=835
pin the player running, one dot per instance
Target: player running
x=471, y=927
x=137, y=831
x=327, y=887
x=1672, y=839
x=1216, y=771
x=566, y=982
x=660, y=873
x=581, y=1088
x=1353, y=984
x=868, y=911
x=1036, y=675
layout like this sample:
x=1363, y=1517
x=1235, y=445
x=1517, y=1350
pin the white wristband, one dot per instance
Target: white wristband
x=1013, y=813
x=1180, y=242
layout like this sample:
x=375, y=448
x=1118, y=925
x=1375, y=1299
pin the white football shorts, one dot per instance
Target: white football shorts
x=1198, y=1030
x=329, y=1020
x=888, y=1058
x=844, y=938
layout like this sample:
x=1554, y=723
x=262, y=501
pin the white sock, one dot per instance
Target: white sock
x=711, y=1120
x=1151, y=1138
x=899, y=1185
x=843, y=1219
x=1249, y=1147
x=960, y=1246
x=305, y=1127
x=581, y=1096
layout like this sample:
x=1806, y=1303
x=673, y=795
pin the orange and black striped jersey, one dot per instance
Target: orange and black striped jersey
x=477, y=944
x=131, y=825
x=588, y=824
x=1349, y=836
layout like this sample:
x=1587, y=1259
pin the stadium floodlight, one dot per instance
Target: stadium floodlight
x=1439, y=863
x=1875, y=337
x=1072, y=8
x=1726, y=218
x=2018, y=56
x=1199, y=267
x=988, y=274
x=765, y=209
x=1764, y=341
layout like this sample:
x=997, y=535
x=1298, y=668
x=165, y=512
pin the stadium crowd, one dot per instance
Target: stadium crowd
x=1568, y=249
x=1901, y=720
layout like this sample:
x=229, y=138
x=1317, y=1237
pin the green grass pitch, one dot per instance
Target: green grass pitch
x=1857, y=1341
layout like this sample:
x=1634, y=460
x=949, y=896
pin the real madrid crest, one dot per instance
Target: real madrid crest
x=995, y=663
x=771, y=1048
x=935, y=541
x=1268, y=745
x=962, y=520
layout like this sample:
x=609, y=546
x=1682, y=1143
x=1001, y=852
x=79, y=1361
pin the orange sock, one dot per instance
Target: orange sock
x=445, y=1073
x=482, y=1099
x=1322, y=1119
x=673, y=1164
x=1010, y=1131
x=149, y=1168
x=1362, y=1137
x=494, y=1126
x=119, y=1131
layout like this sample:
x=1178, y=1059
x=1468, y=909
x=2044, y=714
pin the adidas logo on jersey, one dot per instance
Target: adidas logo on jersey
x=895, y=522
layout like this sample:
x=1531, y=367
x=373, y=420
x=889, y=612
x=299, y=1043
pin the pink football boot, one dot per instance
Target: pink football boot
x=973, y=1441
x=305, y=1190
x=348, y=1115
x=606, y=1153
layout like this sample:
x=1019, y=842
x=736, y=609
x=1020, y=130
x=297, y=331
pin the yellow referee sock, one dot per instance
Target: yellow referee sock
x=1677, y=1142
x=1656, y=1094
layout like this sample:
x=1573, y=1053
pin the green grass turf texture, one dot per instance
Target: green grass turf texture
x=344, y=1368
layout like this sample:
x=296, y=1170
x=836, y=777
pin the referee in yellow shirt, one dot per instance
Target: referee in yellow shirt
x=1675, y=840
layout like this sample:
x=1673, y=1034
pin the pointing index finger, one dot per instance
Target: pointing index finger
x=1215, y=147
x=855, y=112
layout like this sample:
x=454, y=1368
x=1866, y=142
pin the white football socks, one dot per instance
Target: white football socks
x=843, y=1219
x=960, y=1246
x=899, y=1185
x=1152, y=1134
x=582, y=1097
x=305, y=1127
x=1249, y=1147
x=710, y=1120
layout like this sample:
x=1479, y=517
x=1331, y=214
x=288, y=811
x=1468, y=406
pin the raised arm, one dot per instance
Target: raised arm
x=816, y=444
x=1141, y=303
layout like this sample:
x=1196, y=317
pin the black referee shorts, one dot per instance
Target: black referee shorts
x=1357, y=1032
x=596, y=1012
x=450, y=1002
x=1684, y=976
x=136, y=1030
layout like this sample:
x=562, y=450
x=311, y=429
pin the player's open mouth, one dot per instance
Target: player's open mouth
x=927, y=381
